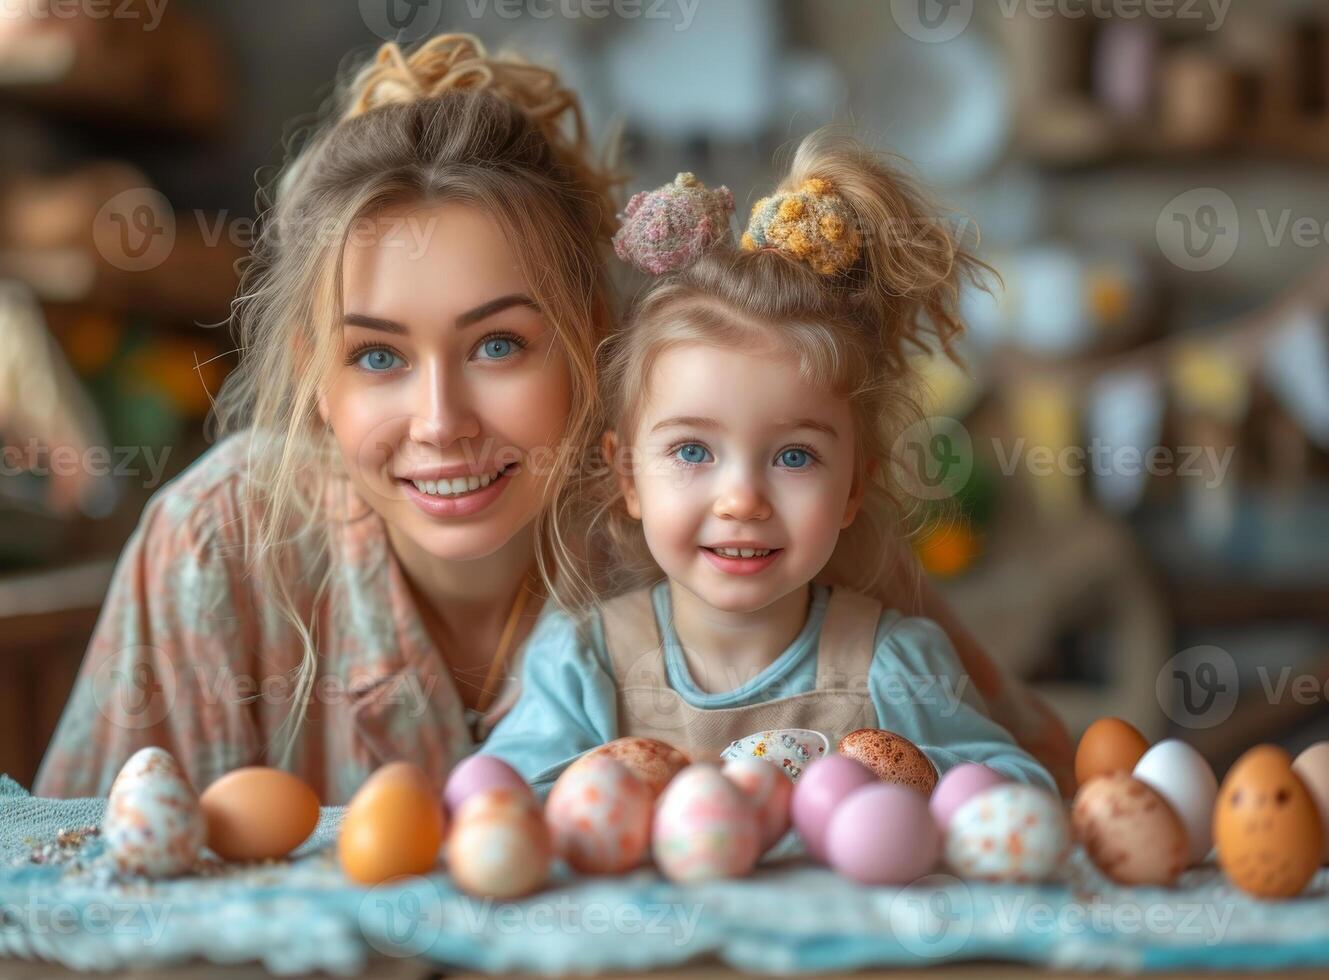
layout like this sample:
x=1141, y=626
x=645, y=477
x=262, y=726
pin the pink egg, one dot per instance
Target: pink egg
x=476, y=774
x=600, y=816
x=822, y=786
x=705, y=828
x=883, y=834
x=768, y=789
x=960, y=782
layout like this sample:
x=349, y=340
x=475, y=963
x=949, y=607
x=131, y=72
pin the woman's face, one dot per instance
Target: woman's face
x=452, y=391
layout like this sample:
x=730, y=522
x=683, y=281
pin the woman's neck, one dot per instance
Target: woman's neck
x=725, y=650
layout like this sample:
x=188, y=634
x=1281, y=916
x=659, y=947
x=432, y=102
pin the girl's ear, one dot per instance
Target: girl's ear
x=323, y=409
x=857, y=492
x=620, y=462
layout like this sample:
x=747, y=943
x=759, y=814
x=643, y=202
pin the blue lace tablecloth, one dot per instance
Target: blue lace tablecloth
x=303, y=915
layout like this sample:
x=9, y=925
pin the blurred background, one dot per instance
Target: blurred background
x=1125, y=492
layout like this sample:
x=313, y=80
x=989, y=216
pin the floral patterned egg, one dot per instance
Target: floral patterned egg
x=791, y=749
x=600, y=816
x=650, y=760
x=1010, y=832
x=705, y=828
x=153, y=824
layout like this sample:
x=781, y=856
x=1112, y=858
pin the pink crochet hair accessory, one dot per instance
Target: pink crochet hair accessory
x=669, y=227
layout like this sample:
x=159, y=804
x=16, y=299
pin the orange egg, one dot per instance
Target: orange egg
x=1266, y=826
x=1108, y=745
x=393, y=826
x=257, y=813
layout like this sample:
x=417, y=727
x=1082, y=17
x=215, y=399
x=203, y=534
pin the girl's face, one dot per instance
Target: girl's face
x=452, y=389
x=735, y=454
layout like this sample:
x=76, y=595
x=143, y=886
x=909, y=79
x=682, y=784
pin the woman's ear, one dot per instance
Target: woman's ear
x=857, y=492
x=323, y=409
x=619, y=458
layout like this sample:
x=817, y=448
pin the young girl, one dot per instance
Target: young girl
x=351, y=575
x=756, y=393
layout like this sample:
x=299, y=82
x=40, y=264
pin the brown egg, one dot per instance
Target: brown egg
x=1266, y=826
x=1129, y=831
x=650, y=760
x=256, y=813
x=1108, y=745
x=893, y=758
x=1313, y=768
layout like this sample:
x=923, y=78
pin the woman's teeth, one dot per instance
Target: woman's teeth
x=458, y=484
x=742, y=552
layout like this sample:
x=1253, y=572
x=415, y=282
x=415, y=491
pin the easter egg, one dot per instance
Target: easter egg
x=499, y=846
x=1312, y=765
x=1108, y=745
x=958, y=785
x=790, y=750
x=650, y=760
x=1181, y=776
x=1008, y=832
x=769, y=791
x=704, y=828
x=1129, y=831
x=599, y=815
x=892, y=758
x=477, y=773
x=153, y=825
x=823, y=785
x=393, y=826
x=1266, y=827
x=883, y=834
x=256, y=813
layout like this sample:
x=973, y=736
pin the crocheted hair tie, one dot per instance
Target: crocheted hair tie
x=812, y=223
x=669, y=227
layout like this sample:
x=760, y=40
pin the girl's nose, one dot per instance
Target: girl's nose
x=446, y=413
x=741, y=500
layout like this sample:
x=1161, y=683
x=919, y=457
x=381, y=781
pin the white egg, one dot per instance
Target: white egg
x=153, y=825
x=1011, y=832
x=1181, y=776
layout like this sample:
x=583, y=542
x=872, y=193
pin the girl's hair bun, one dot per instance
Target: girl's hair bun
x=668, y=228
x=812, y=223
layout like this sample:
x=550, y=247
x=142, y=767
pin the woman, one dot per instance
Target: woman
x=348, y=577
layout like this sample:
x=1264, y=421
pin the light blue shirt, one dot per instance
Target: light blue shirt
x=568, y=703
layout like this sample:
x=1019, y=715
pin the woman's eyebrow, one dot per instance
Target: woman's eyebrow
x=495, y=306
x=373, y=323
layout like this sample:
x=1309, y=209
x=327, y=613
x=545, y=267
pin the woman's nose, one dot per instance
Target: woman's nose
x=742, y=500
x=445, y=413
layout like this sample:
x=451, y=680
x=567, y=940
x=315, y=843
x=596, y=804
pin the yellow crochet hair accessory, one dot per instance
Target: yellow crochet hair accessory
x=812, y=223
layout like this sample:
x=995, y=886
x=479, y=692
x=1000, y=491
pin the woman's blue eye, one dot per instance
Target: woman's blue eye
x=379, y=359
x=692, y=452
x=795, y=458
x=497, y=348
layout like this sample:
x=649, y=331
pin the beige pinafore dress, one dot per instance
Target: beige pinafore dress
x=650, y=708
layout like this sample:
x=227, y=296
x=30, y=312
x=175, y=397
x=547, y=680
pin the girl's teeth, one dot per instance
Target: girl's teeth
x=742, y=552
x=460, y=484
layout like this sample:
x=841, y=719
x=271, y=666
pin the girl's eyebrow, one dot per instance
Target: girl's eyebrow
x=481, y=312
x=701, y=422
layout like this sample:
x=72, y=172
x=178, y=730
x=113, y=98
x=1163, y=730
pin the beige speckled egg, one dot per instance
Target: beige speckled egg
x=153, y=825
x=893, y=758
x=1266, y=827
x=599, y=814
x=1009, y=832
x=1129, y=831
x=499, y=846
x=705, y=828
x=650, y=760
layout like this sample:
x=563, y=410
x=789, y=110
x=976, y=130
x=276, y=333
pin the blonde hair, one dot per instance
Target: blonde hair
x=852, y=333
x=445, y=121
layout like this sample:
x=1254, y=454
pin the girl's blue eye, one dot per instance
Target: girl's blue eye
x=497, y=348
x=795, y=458
x=692, y=452
x=379, y=359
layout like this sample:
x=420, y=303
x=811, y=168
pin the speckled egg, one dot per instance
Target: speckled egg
x=650, y=760
x=892, y=758
x=499, y=846
x=1129, y=831
x=769, y=791
x=1008, y=832
x=705, y=828
x=599, y=814
x=153, y=825
x=1266, y=826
